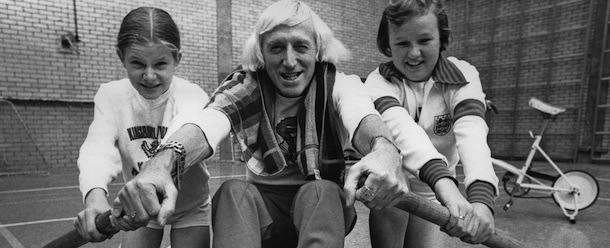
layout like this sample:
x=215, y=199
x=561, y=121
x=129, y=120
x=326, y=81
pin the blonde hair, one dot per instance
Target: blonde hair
x=291, y=13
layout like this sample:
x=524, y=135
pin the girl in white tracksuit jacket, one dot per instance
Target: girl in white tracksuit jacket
x=422, y=89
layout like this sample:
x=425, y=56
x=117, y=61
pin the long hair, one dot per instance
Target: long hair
x=291, y=13
x=148, y=24
x=399, y=11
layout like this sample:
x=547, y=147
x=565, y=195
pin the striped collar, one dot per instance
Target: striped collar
x=445, y=72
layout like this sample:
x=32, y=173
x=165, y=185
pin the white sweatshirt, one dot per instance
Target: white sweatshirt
x=126, y=130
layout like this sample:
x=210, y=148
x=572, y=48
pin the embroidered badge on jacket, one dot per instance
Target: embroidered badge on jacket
x=442, y=124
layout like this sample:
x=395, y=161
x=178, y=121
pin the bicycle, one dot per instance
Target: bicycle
x=572, y=191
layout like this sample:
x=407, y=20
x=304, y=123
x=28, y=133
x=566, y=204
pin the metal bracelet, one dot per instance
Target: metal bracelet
x=179, y=165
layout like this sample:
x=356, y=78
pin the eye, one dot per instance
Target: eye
x=275, y=48
x=301, y=47
x=136, y=64
x=403, y=44
x=425, y=41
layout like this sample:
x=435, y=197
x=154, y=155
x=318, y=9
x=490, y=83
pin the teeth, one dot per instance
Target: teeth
x=290, y=76
x=415, y=63
x=150, y=86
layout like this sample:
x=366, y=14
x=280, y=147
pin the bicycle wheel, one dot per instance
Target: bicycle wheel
x=587, y=185
x=511, y=188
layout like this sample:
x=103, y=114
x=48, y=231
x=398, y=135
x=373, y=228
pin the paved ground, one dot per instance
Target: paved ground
x=35, y=209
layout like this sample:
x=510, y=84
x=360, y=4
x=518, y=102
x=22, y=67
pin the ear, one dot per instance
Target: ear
x=120, y=54
x=178, y=58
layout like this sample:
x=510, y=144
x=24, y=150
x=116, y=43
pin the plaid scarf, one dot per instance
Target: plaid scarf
x=246, y=98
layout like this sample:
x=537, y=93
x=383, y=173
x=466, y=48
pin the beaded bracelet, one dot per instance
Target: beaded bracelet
x=178, y=168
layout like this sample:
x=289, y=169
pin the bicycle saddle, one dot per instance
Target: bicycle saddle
x=545, y=107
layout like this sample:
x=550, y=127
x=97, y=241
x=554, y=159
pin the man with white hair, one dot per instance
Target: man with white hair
x=290, y=110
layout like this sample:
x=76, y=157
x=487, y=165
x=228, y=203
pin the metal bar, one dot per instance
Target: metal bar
x=543, y=187
x=76, y=37
x=541, y=175
x=596, y=113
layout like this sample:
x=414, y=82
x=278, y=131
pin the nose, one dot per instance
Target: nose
x=290, y=59
x=414, y=52
x=149, y=74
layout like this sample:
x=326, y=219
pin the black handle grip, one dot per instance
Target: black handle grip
x=439, y=215
x=73, y=239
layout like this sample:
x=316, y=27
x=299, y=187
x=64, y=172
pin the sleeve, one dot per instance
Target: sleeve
x=213, y=123
x=416, y=148
x=352, y=102
x=99, y=160
x=190, y=109
x=470, y=128
x=192, y=98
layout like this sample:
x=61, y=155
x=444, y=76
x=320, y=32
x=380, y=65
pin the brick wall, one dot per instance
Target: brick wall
x=522, y=49
x=35, y=70
x=354, y=22
x=36, y=135
x=526, y=49
x=53, y=91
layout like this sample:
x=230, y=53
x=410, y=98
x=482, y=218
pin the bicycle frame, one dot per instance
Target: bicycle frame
x=570, y=187
x=538, y=185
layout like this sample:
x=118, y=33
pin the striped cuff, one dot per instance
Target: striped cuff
x=385, y=102
x=433, y=171
x=469, y=107
x=481, y=192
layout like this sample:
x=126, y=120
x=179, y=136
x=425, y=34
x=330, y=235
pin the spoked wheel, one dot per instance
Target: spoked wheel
x=588, y=190
x=511, y=188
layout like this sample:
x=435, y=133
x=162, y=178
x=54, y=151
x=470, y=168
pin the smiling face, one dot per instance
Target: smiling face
x=415, y=46
x=290, y=56
x=150, y=68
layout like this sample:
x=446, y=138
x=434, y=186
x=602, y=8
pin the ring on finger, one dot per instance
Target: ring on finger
x=461, y=217
x=369, y=194
x=131, y=215
x=370, y=191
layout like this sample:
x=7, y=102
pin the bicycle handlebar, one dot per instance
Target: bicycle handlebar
x=490, y=106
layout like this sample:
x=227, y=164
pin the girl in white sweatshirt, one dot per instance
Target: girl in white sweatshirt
x=131, y=118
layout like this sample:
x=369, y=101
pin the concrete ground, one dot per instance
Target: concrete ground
x=36, y=208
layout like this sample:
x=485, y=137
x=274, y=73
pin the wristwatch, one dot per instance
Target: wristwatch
x=178, y=168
